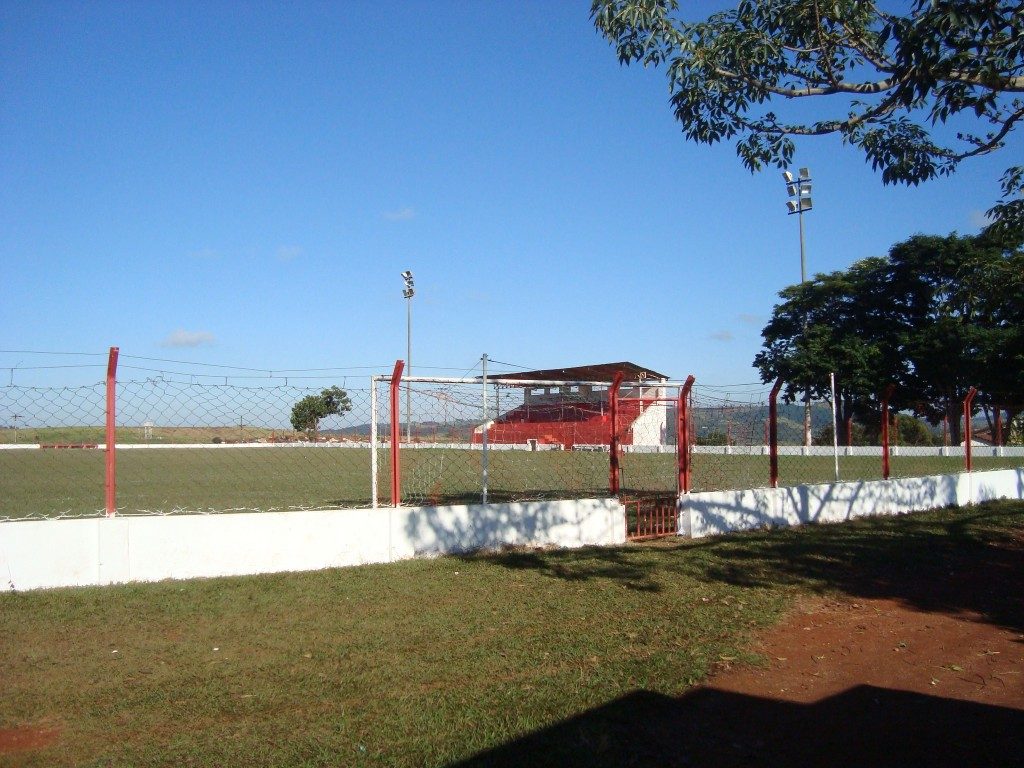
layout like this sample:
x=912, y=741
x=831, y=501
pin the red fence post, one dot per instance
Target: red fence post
x=683, y=435
x=614, y=471
x=396, y=436
x=773, y=434
x=967, y=427
x=110, y=485
x=885, y=429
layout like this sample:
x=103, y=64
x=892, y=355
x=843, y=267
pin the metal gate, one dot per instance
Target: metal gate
x=650, y=517
x=650, y=454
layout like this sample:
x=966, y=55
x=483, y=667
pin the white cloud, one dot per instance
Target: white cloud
x=181, y=338
x=403, y=214
x=288, y=252
x=722, y=336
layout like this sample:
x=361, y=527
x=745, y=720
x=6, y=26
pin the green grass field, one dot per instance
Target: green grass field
x=49, y=482
x=424, y=663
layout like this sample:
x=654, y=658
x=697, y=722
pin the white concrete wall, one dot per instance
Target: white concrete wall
x=983, y=452
x=61, y=553
x=708, y=514
x=651, y=426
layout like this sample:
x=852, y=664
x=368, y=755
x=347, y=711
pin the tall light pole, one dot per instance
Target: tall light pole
x=407, y=294
x=799, y=191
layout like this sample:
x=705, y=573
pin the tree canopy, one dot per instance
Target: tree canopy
x=881, y=81
x=936, y=317
x=310, y=410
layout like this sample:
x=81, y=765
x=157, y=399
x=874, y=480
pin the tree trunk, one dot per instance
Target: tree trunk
x=954, y=412
x=846, y=415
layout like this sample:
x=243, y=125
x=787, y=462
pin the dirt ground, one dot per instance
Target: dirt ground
x=828, y=646
x=868, y=682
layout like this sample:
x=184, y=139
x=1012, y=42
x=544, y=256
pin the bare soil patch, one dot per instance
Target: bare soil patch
x=827, y=646
x=27, y=738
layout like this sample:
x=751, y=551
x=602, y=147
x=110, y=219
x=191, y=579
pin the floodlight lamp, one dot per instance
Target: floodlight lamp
x=805, y=173
x=805, y=203
x=792, y=190
x=408, y=293
x=788, y=177
x=407, y=275
x=792, y=205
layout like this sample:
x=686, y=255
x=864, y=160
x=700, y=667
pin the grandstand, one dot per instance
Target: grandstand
x=577, y=415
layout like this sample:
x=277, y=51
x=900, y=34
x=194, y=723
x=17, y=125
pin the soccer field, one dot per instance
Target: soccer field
x=52, y=482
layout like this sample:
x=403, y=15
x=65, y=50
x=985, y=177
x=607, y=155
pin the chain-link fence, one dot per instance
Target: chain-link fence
x=185, y=446
x=729, y=435
x=51, y=462
x=732, y=435
x=196, y=443
x=467, y=441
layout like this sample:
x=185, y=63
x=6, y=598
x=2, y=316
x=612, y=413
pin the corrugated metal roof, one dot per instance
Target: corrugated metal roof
x=599, y=372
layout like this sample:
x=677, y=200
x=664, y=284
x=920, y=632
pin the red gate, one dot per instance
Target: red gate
x=649, y=471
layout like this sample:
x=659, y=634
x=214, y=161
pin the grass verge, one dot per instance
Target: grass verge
x=428, y=662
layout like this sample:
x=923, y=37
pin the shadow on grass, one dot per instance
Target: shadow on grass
x=950, y=561
x=859, y=727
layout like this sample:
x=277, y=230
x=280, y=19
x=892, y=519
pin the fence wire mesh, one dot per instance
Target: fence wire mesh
x=729, y=439
x=183, y=446
x=191, y=443
x=541, y=442
x=50, y=462
x=647, y=433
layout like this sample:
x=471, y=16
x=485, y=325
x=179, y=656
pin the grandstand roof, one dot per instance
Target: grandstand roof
x=599, y=372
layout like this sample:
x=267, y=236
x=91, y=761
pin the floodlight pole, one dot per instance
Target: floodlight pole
x=408, y=362
x=407, y=294
x=800, y=201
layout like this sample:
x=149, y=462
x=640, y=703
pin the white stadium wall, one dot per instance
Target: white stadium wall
x=62, y=553
x=709, y=514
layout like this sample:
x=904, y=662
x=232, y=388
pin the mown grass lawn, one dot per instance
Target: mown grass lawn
x=425, y=663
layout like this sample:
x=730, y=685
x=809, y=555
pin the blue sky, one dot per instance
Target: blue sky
x=242, y=184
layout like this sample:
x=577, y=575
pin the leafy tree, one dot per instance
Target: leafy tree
x=883, y=82
x=310, y=410
x=959, y=313
x=937, y=316
x=832, y=324
x=715, y=437
x=858, y=436
x=1015, y=431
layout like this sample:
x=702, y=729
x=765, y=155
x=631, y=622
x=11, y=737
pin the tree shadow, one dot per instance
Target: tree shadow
x=615, y=563
x=943, y=561
x=863, y=726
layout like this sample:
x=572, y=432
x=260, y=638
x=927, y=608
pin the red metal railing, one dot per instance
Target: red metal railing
x=683, y=435
x=614, y=469
x=110, y=484
x=773, y=434
x=967, y=427
x=886, y=396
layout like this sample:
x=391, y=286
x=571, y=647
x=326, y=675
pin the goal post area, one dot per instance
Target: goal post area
x=480, y=439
